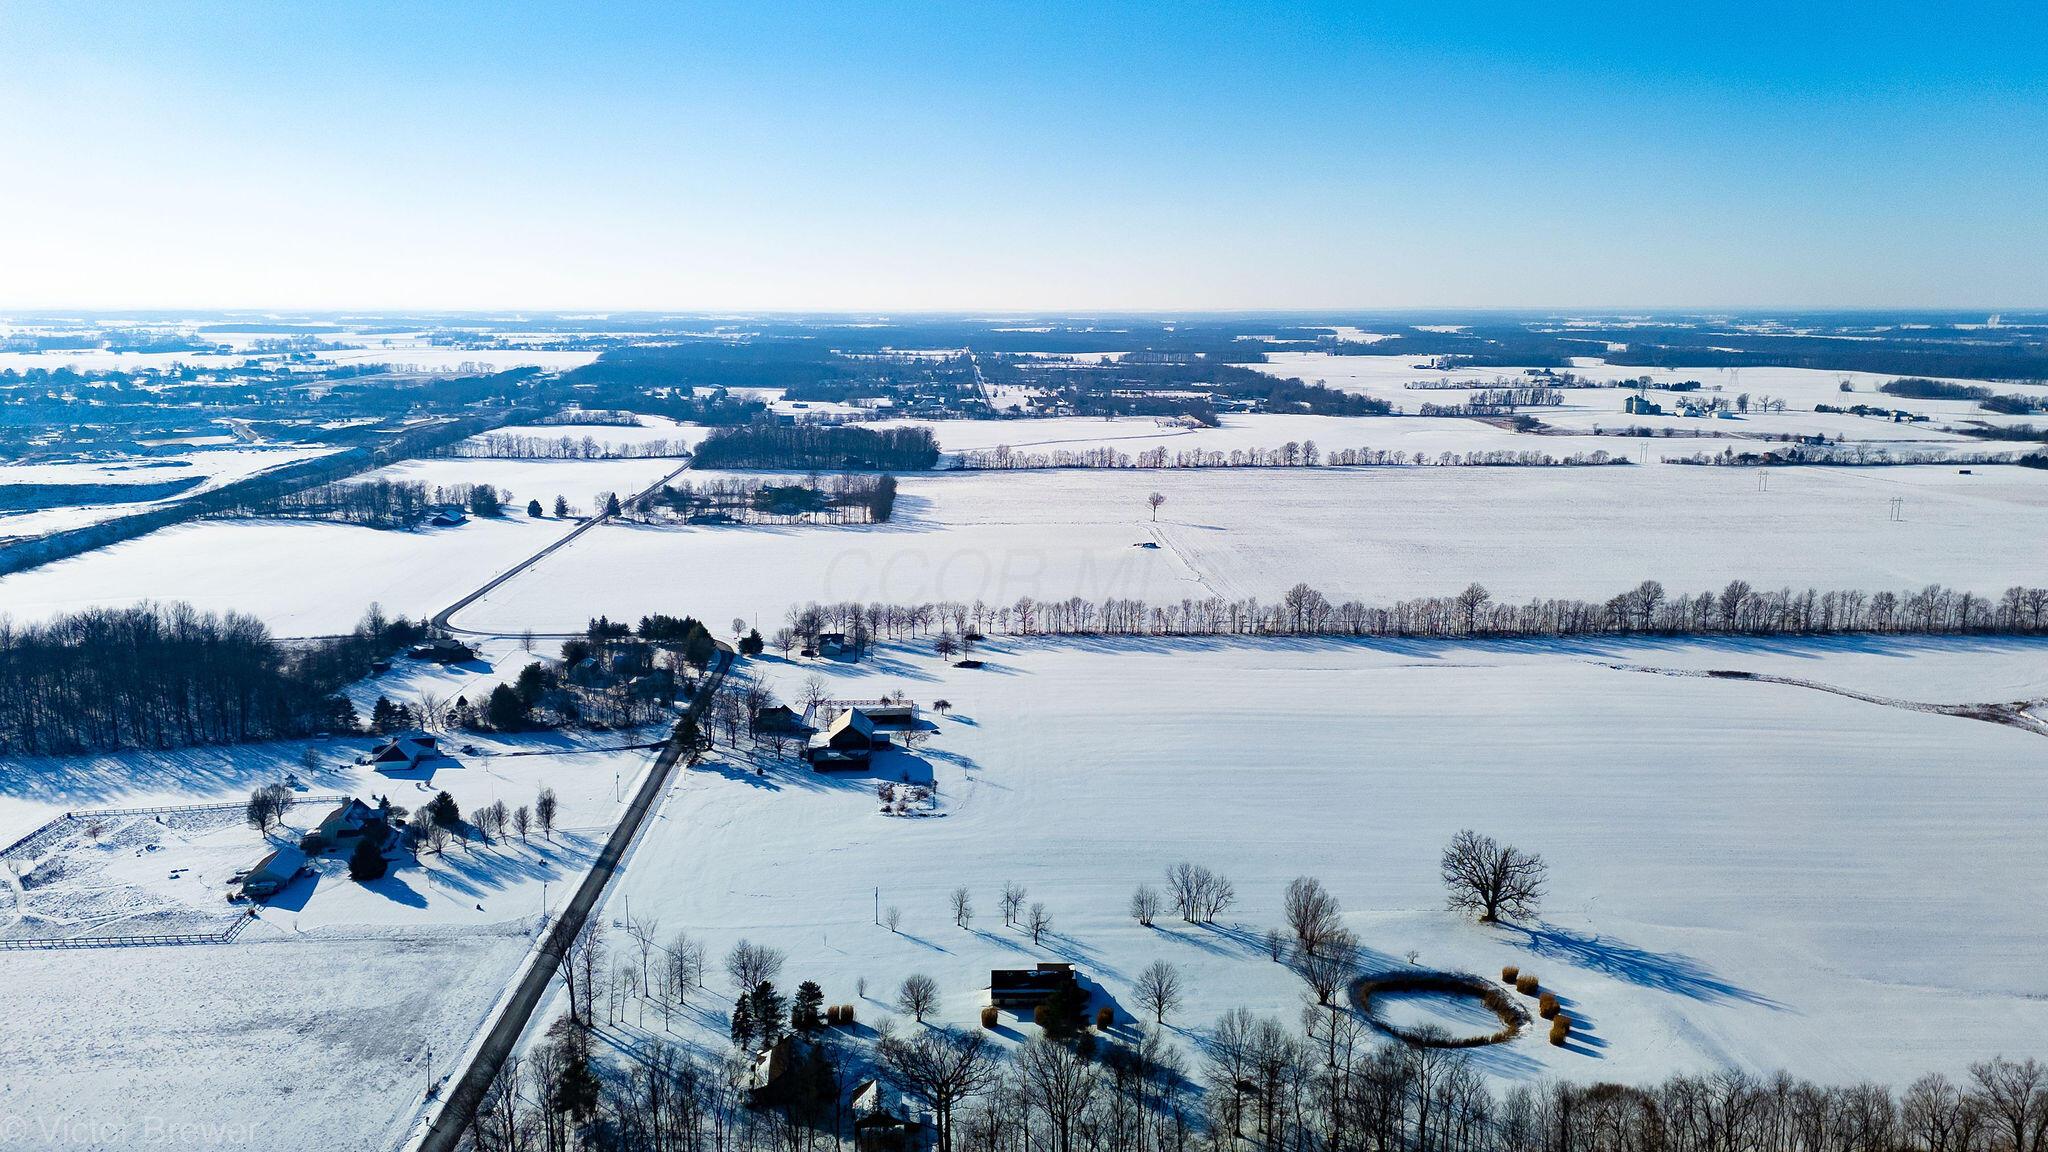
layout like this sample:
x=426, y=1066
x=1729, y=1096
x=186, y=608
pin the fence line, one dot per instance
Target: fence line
x=224, y=936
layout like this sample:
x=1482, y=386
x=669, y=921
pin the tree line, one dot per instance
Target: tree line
x=377, y=503
x=826, y=447
x=162, y=676
x=1303, y=454
x=1648, y=609
x=513, y=446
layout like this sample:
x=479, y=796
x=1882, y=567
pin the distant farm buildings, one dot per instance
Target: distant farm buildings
x=1023, y=989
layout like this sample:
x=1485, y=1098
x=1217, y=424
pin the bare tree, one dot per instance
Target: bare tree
x=891, y=917
x=1040, y=922
x=2014, y=1097
x=1330, y=967
x=918, y=996
x=1158, y=989
x=814, y=695
x=685, y=965
x=583, y=967
x=940, y=1067
x=1491, y=878
x=1940, y=1117
x=1154, y=501
x=750, y=965
x=1311, y=911
x=544, y=811
x=522, y=820
x=1145, y=904
x=1059, y=1084
x=963, y=907
x=267, y=805
x=1012, y=902
x=1199, y=895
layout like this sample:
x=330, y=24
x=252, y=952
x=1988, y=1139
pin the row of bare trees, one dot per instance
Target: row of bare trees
x=1326, y=1083
x=1648, y=608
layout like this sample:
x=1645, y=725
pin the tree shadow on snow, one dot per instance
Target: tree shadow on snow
x=1666, y=971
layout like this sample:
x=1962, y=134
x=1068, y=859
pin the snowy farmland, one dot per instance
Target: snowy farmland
x=303, y=578
x=346, y=997
x=1742, y=873
x=1375, y=534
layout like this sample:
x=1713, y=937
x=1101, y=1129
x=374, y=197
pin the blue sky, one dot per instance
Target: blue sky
x=990, y=156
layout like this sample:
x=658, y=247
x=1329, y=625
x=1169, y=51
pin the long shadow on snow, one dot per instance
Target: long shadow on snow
x=1666, y=971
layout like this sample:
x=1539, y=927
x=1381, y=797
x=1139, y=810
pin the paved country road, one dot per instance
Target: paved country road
x=444, y=1130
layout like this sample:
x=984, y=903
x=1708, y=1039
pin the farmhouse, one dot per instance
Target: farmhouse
x=405, y=751
x=768, y=1079
x=444, y=650
x=273, y=872
x=347, y=823
x=448, y=517
x=850, y=741
x=1022, y=989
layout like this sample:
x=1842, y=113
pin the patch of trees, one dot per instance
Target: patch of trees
x=380, y=503
x=841, y=498
x=170, y=676
x=840, y=447
x=1737, y=608
x=1499, y=401
x=2008, y=403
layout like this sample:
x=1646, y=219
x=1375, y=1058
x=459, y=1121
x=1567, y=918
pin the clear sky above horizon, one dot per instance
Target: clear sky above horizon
x=986, y=156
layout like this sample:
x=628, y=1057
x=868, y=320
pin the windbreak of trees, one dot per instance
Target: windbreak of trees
x=2009, y=403
x=170, y=676
x=1738, y=608
x=512, y=446
x=379, y=503
x=1303, y=454
x=819, y=446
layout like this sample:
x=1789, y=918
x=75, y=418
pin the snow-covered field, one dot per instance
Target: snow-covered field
x=1374, y=534
x=1741, y=873
x=304, y=578
x=214, y=468
x=1385, y=377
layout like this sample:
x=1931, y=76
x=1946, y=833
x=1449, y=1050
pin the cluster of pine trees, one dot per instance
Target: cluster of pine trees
x=824, y=447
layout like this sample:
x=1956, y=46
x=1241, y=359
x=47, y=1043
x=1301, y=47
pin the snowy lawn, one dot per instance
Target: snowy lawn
x=338, y=990
x=1375, y=534
x=1744, y=873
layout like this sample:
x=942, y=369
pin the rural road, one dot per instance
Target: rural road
x=440, y=619
x=444, y=1131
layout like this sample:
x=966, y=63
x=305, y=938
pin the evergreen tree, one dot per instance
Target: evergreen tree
x=367, y=861
x=752, y=644
x=507, y=709
x=806, y=1013
x=533, y=509
x=743, y=1024
x=444, y=810
x=770, y=1010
